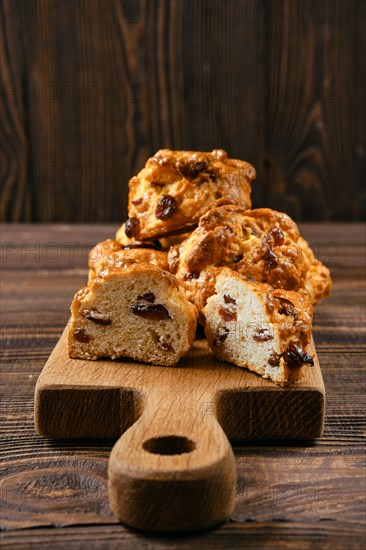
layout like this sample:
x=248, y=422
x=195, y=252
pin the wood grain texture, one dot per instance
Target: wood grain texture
x=79, y=399
x=313, y=53
x=92, y=88
x=173, y=469
x=289, y=494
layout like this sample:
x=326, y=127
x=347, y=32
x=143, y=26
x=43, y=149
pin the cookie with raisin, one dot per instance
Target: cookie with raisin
x=175, y=188
x=265, y=330
x=133, y=310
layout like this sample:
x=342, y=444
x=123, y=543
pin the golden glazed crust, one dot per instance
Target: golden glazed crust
x=177, y=187
x=261, y=244
x=110, y=253
x=318, y=283
x=291, y=312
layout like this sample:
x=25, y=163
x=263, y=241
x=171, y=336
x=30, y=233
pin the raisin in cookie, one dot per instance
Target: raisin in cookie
x=255, y=326
x=164, y=243
x=176, y=187
x=261, y=244
x=134, y=310
x=130, y=242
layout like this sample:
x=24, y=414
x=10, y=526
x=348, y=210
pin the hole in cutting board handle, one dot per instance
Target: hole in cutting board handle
x=169, y=445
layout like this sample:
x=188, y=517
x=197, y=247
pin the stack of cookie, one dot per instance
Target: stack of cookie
x=193, y=250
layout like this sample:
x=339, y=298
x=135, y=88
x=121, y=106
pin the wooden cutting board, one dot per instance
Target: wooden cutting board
x=173, y=468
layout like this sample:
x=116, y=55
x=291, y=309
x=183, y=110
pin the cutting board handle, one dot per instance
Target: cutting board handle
x=174, y=469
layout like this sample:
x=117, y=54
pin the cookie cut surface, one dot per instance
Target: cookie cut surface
x=133, y=310
x=255, y=326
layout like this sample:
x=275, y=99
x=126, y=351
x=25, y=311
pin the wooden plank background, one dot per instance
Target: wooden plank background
x=91, y=88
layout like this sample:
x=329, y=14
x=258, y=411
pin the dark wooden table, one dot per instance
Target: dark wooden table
x=293, y=495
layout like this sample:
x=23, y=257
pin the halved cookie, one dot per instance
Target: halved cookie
x=133, y=310
x=252, y=325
